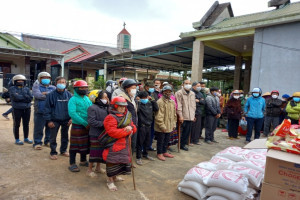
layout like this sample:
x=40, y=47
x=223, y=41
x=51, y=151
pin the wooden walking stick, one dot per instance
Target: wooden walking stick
x=131, y=162
x=178, y=130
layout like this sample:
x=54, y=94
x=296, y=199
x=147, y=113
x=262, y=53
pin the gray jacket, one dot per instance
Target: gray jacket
x=96, y=116
x=212, y=105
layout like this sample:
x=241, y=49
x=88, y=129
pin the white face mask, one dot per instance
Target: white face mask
x=104, y=101
x=241, y=95
x=187, y=86
x=218, y=94
x=133, y=92
x=274, y=96
x=236, y=97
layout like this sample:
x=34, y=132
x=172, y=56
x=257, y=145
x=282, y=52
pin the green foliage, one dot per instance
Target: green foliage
x=176, y=83
x=100, y=84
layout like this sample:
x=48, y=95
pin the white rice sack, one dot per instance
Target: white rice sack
x=208, y=166
x=200, y=189
x=234, y=153
x=217, y=198
x=255, y=156
x=250, y=193
x=197, y=174
x=216, y=191
x=254, y=176
x=189, y=192
x=229, y=180
x=218, y=159
x=257, y=165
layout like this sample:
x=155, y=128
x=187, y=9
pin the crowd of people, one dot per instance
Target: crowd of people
x=109, y=125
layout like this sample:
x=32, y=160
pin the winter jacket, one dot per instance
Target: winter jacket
x=293, y=110
x=155, y=95
x=117, y=92
x=186, y=104
x=233, y=109
x=212, y=105
x=199, y=105
x=77, y=108
x=273, y=107
x=21, y=97
x=145, y=112
x=96, y=116
x=119, y=152
x=39, y=98
x=255, y=107
x=56, y=106
x=165, y=117
x=131, y=107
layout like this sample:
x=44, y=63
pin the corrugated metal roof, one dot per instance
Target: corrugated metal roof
x=15, y=42
x=56, y=45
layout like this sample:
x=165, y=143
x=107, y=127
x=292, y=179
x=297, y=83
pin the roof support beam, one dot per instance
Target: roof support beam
x=222, y=48
x=230, y=34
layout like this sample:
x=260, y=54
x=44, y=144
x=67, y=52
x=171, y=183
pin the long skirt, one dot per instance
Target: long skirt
x=173, y=138
x=95, y=151
x=79, y=140
x=118, y=169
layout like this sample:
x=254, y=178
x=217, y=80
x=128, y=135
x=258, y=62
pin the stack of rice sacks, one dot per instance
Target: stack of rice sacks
x=232, y=174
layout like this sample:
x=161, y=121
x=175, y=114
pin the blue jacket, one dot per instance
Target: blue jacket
x=39, y=98
x=56, y=106
x=255, y=107
x=21, y=97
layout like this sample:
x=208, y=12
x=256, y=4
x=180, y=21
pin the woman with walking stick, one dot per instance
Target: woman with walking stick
x=119, y=127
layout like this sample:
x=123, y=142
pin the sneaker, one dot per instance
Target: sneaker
x=5, y=116
x=139, y=161
x=19, y=142
x=152, y=149
x=28, y=141
x=184, y=148
x=149, y=158
x=168, y=155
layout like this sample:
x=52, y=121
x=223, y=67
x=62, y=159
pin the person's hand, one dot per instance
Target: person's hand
x=197, y=101
x=243, y=118
x=164, y=130
x=181, y=120
x=70, y=122
x=150, y=98
x=194, y=119
x=44, y=93
x=218, y=116
x=137, y=98
x=128, y=129
x=51, y=125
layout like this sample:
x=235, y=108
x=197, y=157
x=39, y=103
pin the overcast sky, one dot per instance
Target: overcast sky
x=150, y=22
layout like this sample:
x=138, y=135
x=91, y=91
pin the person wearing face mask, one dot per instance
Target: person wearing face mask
x=186, y=108
x=254, y=112
x=213, y=113
x=283, y=114
x=79, y=141
x=273, y=110
x=40, y=89
x=118, y=90
x=110, y=87
x=200, y=103
x=21, y=98
x=242, y=98
x=146, y=108
x=157, y=90
x=57, y=116
x=233, y=111
x=202, y=91
x=129, y=87
x=96, y=115
x=165, y=122
x=293, y=108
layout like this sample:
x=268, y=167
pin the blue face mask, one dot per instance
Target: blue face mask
x=45, y=81
x=151, y=90
x=296, y=99
x=144, y=101
x=255, y=94
x=61, y=86
x=215, y=94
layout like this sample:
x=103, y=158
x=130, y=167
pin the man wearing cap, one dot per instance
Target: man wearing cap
x=273, y=110
x=254, y=112
x=186, y=108
x=213, y=113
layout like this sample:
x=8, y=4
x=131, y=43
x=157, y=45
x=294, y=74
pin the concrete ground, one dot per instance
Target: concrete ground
x=29, y=174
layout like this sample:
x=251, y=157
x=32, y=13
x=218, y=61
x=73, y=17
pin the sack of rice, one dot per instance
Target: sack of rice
x=200, y=189
x=197, y=174
x=254, y=176
x=227, y=194
x=257, y=165
x=189, y=192
x=234, y=153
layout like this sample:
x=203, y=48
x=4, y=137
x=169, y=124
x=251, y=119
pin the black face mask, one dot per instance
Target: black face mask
x=19, y=83
x=82, y=92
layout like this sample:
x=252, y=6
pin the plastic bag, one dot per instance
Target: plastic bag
x=243, y=124
x=283, y=129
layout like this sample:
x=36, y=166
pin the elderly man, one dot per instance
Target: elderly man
x=186, y=107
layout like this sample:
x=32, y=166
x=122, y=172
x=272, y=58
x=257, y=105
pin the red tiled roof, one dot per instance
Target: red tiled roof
x=124, y=31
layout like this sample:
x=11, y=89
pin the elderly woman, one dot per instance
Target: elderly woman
x=119, y=127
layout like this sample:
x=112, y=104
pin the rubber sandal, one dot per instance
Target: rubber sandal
x=119, y=179
x=74, y=168
x=38, y=147
x=101, y=171
x=66, y=154
x=91, y=174
x=53, y=157
x=19, y=142
x=28, y=141
x=111, y=186
x=84, y=164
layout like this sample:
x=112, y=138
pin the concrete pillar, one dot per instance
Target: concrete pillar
x=48, y=66
x=197, y=60
x=62, y=70
x=27, y=66
x=135, y=75
x=105, y=71
x=247, y=75
x=237, y=72
x=114, y=75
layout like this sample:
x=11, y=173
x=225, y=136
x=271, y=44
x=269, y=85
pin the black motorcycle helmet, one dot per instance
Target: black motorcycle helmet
x=128, y=83
x=109, y=83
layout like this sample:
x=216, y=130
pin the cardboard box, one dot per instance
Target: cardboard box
x=257, y=144
x=273, y=192
x=283, y=169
